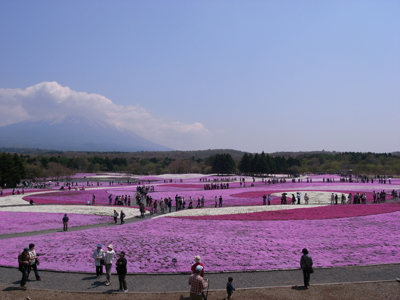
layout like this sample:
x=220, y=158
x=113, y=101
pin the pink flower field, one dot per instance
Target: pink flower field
x=224, y=245
x=15, y=222
x=336, y=235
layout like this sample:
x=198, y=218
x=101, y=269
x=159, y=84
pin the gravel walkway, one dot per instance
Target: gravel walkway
x=81, y=282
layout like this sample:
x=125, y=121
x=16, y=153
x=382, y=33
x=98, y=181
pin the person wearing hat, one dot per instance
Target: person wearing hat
x=98, y=256
x=108, y=261
x=121, y=271
x=306, y=264
x=23, y=266
x=197, y=284
x=197, y=262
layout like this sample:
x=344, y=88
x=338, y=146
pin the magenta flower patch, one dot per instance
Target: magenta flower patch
x=312, y=213
x=15, y=222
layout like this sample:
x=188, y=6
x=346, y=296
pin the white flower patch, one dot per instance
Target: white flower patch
x=17, y=199
x=315, y=197
x=232, y=210
x=74, y=209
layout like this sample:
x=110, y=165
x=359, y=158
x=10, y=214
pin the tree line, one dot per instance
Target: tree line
x=14, y=167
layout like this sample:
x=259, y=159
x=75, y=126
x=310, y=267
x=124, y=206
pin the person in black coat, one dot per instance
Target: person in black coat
x=121, y=271
x=306, y=264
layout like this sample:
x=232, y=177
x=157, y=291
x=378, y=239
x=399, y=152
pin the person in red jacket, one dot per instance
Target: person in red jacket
x=197, y=262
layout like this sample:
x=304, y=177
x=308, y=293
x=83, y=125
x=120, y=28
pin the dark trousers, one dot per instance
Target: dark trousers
x=65, y=228
x=24, y=271
x=35, y=270
x=99, y=270
x=122, y=281
x=306, y=277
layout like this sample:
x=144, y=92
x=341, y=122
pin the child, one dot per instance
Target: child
x=230, y=288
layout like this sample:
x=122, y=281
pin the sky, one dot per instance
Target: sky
x=194, y=75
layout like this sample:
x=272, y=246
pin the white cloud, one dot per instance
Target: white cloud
x=51, y=100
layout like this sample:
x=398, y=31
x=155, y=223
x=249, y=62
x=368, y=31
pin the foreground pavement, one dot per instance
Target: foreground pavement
x=164, y=283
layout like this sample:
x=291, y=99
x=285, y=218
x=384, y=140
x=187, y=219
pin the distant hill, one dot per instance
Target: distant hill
x=74, y=134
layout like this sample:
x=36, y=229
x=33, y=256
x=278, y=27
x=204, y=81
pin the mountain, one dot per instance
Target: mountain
x=74, y=134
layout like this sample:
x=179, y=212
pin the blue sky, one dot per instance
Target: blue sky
x=192, y=75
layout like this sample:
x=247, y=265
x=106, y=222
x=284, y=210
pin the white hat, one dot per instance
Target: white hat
x=199, y=269
x=110, y=246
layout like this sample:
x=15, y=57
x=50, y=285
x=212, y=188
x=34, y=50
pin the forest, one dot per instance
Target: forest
x=19, y=164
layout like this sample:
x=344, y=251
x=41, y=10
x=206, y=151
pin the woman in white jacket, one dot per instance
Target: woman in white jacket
x=98, y=256
x=108, y=260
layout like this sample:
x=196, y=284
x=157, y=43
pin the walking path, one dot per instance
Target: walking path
x=82, y=282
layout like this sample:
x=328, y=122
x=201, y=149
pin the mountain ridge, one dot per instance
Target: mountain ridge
x=74, y=134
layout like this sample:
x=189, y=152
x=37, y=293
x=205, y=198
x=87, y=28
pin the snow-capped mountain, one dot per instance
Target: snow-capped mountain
x=74, y=134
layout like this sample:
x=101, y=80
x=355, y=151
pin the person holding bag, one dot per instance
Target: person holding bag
x=98, y=256
x=306, y=264
x=33, y=262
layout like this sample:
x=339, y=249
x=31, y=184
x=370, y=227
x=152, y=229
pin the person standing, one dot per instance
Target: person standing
x=197, y=262
x=306, y=198
x=121, y=271
x=33, y=262
x=220, y=201
x=98, y=256
x=23, y=267
x=264, y=199
x=122, y=217
x=142, y=210
x=65, y=220
x=306, y=264
x=108, y=261
x=197, y=284
x=298, y=197
x=269, y=199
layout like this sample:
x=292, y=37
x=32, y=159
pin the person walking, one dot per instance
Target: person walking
x=108, y=261
x=65, y=220
x=23, y=266
x=115, y=216
x=230, y=288
x=121, y=271
x=306, y=264
x=33, y=262
x=98, y=256
x=197, y=284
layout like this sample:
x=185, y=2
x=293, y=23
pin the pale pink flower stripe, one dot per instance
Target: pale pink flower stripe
x=15, y=222
x=313, y=213
x=223, y=245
